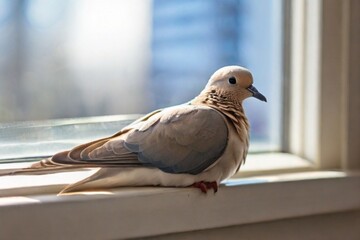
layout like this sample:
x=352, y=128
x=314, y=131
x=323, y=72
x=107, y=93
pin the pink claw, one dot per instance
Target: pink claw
x=204, y=186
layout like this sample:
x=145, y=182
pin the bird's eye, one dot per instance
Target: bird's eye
x=232, y=80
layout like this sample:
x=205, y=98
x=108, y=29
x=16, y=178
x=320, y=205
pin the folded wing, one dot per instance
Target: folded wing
x=180, y=139
x=186, y=139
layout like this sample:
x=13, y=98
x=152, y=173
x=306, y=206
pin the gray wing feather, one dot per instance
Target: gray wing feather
x=180, y=139
x=186, y=139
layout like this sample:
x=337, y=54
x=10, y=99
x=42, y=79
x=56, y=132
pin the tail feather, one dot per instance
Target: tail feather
x=36, y=169
x=102, y=179
x=78, y=159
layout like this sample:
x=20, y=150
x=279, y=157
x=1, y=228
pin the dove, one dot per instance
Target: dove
x=196, y=144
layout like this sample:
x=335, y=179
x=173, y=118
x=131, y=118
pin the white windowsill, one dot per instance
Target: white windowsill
x=150, y=211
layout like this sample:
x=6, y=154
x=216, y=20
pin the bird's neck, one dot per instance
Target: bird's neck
x=234, y=111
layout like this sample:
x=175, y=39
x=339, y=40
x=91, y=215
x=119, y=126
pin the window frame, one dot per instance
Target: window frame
x=322, y=70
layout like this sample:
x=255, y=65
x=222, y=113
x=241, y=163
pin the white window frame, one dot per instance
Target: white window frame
x=323, y=128
x=324, y=76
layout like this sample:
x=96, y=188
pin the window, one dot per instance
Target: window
x=64, y=59
x=321, y=60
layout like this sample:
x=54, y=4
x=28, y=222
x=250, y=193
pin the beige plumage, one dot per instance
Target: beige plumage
x=199, y=143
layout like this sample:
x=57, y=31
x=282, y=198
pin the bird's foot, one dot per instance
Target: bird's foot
x=205, y=186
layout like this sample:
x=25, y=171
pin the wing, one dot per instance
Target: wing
x=186, y=139
x=180, y=139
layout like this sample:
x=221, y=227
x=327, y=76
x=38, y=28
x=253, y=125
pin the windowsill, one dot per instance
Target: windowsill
x=150, y=211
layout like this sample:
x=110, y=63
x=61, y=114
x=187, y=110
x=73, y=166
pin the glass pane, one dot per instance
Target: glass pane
x=70, y=59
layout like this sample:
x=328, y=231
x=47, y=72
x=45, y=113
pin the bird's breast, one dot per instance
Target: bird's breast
x=228, y=164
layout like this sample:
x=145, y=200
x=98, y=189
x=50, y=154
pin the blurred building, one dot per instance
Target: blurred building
x=190, y=39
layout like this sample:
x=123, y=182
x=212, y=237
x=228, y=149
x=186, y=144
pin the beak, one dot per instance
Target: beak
x=256, y=93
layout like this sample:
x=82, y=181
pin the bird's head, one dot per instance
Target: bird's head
x=234, y=82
